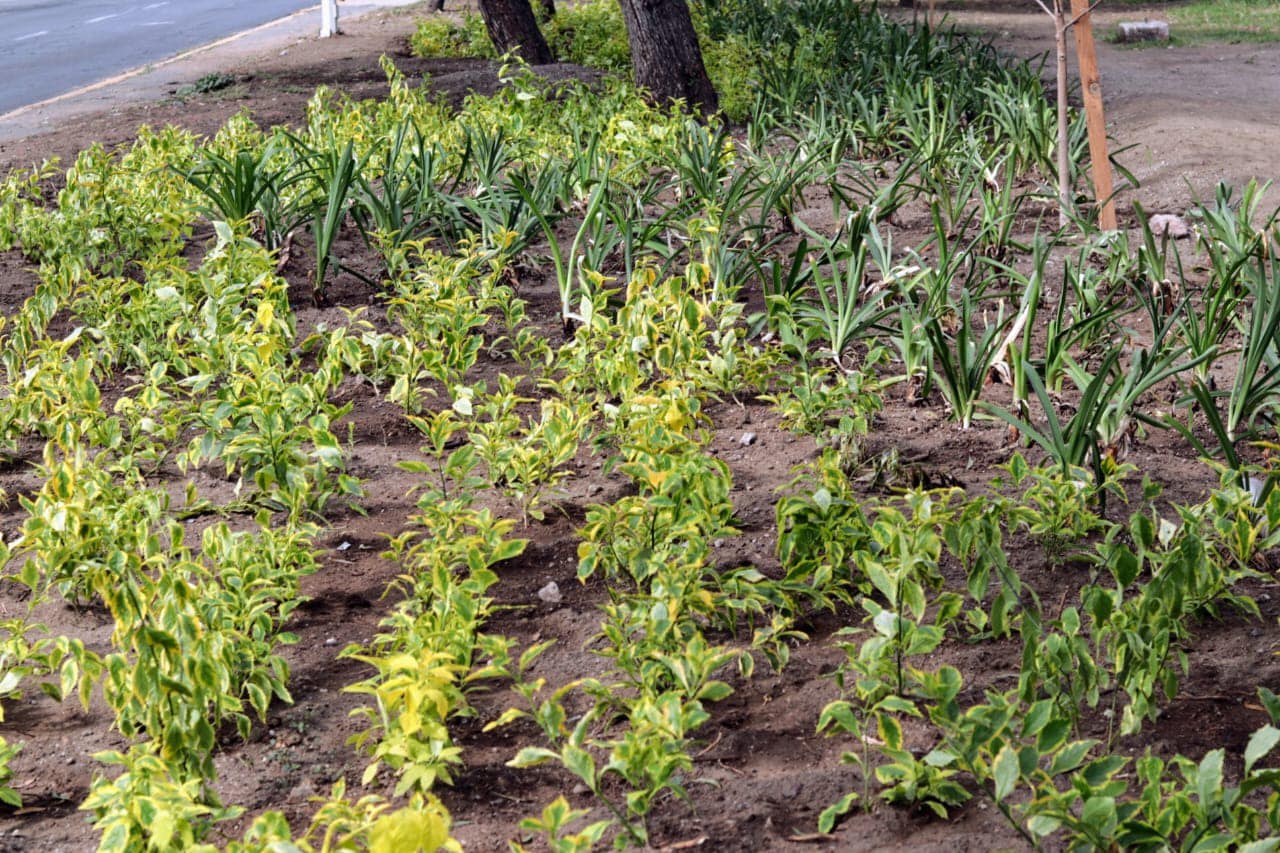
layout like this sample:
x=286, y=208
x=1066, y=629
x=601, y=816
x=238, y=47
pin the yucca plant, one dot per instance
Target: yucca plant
x=485, y=156
x=854, y=186
x=334, y=174
x=911, y=340
x=841, y=307
x=1070, y=328
x=246, y=186
x=574, y=285
x=635, y=230
x=1227, y=233
x=964, y=355
x=1015, y=352
x=784, y=280
x=1254, y=393
x=388, y=211
x=233, y=185
x=1095, y=433
x=701, y=168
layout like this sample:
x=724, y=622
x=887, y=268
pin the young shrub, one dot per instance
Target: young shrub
x=592, y=34
x=438, y=36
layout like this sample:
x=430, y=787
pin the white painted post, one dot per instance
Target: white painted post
x=328, y=18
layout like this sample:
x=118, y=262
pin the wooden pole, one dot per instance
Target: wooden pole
x=1091, y=88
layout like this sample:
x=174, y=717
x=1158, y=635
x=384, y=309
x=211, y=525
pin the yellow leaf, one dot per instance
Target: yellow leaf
x=409, y=831
x=266, y=314
x=673, y=417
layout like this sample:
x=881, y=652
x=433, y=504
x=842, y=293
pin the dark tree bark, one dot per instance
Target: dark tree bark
x=512, y=27
x=665, y=53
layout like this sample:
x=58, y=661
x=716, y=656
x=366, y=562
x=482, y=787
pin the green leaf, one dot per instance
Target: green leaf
x=1209, y=778
x=580, y=763
x=1070, y=757
x=1262, y=742
x=1005, y=772
x=890, y=731
x=839, y=713
x=714, y=691
x=532, y=756
x=1265, y=845
x=1043, y=825
x=832, y=814
x=1053, y=735
x=939, y=758
x=1099, y=813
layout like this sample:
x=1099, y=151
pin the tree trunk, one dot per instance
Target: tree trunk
x=548, y=9
x=665, y=53
x=512, y=27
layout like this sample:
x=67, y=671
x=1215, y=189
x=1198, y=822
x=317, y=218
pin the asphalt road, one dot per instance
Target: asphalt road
x=48, y=47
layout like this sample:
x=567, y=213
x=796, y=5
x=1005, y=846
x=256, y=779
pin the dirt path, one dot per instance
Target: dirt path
x=1193, y=116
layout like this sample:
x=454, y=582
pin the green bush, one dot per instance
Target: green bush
x=731, y=64
x=591, y=33
x=440, y=36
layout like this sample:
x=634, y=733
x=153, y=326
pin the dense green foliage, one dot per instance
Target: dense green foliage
x=654, y=229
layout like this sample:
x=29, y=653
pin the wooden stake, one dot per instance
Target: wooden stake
x=1091, y=87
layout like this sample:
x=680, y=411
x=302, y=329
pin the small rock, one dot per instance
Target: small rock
x=748, y=439
x=303, y=791
x=550, y=593
x=719, y=543
x=331, y=641
x=344, y=546
x=1169, y=225
x=580, y=788
x=1134, y=31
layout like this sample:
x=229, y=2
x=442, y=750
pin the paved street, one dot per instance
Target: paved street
x=54, y=46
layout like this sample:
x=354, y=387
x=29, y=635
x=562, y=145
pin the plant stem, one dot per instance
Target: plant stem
x=1064, y=162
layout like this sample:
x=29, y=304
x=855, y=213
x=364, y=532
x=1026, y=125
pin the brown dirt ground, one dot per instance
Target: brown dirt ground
x=768, y=774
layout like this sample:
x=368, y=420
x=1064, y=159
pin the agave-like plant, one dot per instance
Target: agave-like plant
x=841, y=306
x=965, y=355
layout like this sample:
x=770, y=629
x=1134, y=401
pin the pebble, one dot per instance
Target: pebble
x=748, y=439
x=302, y=791
x=1169, y=225
x=551, y=593
x=580, y=788
x=332, y=641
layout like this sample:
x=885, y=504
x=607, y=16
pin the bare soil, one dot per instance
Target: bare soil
x=767, y=774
